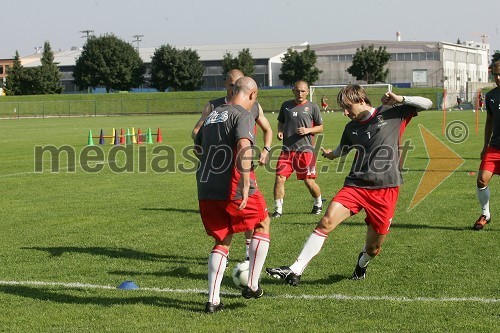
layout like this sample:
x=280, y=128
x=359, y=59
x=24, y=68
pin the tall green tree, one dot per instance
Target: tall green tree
x=13, y=82
x=495, y=57
x=107, y=61
x=368, y=64
x=31, y=82
x=49, y=80
x=244, y=62
x=179, y=70
x=299, y=66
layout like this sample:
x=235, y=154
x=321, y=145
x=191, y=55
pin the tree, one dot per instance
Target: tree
x=49, y=75
x=495, y=57
x=368, y=64
x=244, y=62
x=13, y=82
x=299, y=66
x=179, y=70
x=107, y=61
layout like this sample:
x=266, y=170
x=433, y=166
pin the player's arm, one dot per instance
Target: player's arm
x=333, y=154
x=310, y=130
x=421, y=103
x=281, y=128
x=244, y=165
x=204, y=114
x=268, y=136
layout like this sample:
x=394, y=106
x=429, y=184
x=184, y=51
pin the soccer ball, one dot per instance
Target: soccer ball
x=240, y=274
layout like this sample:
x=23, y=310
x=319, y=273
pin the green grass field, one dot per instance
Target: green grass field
x=68, y=239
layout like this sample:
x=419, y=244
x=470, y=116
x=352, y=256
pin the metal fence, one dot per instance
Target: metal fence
x=97, y=107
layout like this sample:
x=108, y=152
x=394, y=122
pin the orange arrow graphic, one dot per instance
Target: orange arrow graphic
x=442, y=163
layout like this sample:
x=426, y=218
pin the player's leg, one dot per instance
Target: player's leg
x=334, y=215
x=259, y=245
x=483, y=195
x=371, y=249
x=283, y=171
x=304, y=164
x=216, y=222
x=217, y=262
x=315, y=192
x=279, y=195
x=379, y=205
x=248, y=239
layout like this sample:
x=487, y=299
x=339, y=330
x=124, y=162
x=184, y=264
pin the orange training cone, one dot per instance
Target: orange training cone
x=159, y=138
x=122, y=137
x=139, y=136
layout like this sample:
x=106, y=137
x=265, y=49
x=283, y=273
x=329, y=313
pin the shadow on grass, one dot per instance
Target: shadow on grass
x=169, y=209
x=179, y=272
x=331, y=279
x=68, y=297
x=400, y=226
x=58, y=251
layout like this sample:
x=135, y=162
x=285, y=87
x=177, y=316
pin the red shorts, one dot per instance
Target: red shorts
x=491, y=161
x=303, y=163
x=222, y=217
x=379, y=204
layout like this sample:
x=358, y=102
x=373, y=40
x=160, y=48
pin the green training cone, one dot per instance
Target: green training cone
x=90, y=141
x=129, y=137
x=149, y=136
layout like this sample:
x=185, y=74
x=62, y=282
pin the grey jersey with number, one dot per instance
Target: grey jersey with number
x=376, y=140
x=217, y=176
x=293, y=116
x=221, y=101
x=492, y=101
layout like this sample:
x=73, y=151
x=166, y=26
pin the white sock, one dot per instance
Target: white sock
x=483, y=194
x=364, y=259
x=216, y=265
x=259, y=247
x=318, y=201
x=278, y=206
x=311, y=248
x=247, y=247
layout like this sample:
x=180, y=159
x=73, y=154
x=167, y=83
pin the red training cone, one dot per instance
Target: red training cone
x=122, y=137
x=159, y=138
x=139, y=136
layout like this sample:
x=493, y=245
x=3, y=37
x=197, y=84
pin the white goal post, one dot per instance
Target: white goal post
x=331, y=91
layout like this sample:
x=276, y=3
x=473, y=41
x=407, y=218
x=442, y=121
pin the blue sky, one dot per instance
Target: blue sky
x=200, y=22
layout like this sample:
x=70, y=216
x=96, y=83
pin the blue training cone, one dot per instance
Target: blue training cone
x=128, y=285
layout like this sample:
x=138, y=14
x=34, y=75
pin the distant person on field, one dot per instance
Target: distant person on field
x=481, y=102
x=374, y=180
x=490, y=155
x=459, y=103
x=324, y=103
x=298, y=121
x=260, y=119
x=229, y=199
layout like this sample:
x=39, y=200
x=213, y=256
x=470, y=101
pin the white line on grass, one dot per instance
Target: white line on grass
x=288, y=296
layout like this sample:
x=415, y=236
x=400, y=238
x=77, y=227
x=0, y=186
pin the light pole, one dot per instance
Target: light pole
x=137, y=40
x=87, y=33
